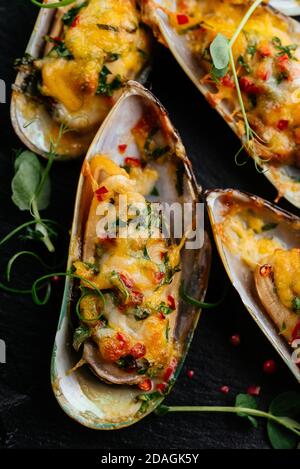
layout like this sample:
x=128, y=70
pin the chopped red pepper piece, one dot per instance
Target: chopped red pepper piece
x=138, y=350
x=121, y=337
x=100, y=193
x=282, y=124
x=170, y=370
x=182, y=19
x=75, y=22
x=133, y=162
x=283, y=62
x=265, y=270
x=127, y=281
x=161, y=315
x=227, y=81
x=145, y=385
x=161, y=387
x=56, y=39
x=122, y=148
x=248, y=86
x=264, y=50
x=159, y=276
x=171, y=302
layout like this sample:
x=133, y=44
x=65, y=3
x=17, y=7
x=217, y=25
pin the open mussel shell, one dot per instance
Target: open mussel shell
x=284, y=178
x=82, y=395
x=288, y=7
x=286, y=230
x=30, y=116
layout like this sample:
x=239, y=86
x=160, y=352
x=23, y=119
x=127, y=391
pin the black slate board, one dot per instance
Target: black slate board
x=29, y=414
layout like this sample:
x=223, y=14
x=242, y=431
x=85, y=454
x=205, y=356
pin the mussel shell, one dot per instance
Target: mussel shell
x=83, y=396
x=30, y=119
x=284, y=178
x=288, y=7
x=241, y=276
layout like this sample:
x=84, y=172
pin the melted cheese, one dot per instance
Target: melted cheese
x=276, y=80
x=242, y=233
x=105, y=28
x=126, y=259
x=286, y=269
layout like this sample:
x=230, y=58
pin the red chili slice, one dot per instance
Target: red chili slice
x=282, y=124
x=100, y=193
x=122, y=148
x=171, y=302
x=133, y=162
x=145, y=385
x=159, y=276
x=75, y=22
x=182, y=19
x=127, y=281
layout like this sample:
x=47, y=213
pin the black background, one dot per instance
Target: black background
x=29, y=414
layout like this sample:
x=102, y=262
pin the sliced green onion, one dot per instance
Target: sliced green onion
x=62, y=3
x=61, y=274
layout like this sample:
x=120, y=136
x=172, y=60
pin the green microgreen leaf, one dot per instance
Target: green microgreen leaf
x=219, y=51
x=245, y=400
x=286, y=406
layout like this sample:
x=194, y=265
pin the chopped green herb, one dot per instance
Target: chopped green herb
x=108, y=27
x=280, y=77
x=296, y=304
x=251, y=49
x=59, y=50
x=105, y=88
x=112, y=57
x=283, y=328
x=71, y=14
x=154, y=191
x=93, y=267
x=284, y=49
x=164, y=309
x=141, y=314
x=269, y=226
x=243, y=63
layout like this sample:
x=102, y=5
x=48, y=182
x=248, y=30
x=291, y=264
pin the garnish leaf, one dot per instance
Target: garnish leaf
x=29, y=172
x=219, y=51
x=249, y=402
x=287, y=407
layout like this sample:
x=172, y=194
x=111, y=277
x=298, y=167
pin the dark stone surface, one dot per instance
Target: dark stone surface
x=29, y=414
